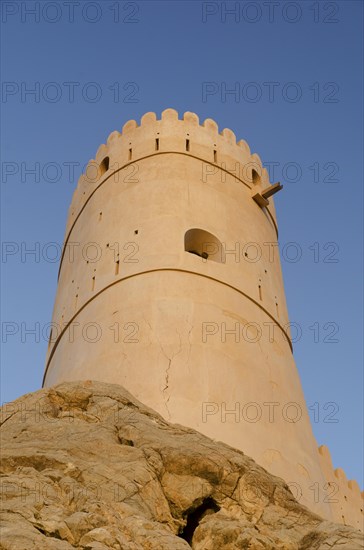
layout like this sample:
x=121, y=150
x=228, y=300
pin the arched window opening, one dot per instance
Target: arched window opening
x=104, y=165
x=255, y=177
x=204, y=244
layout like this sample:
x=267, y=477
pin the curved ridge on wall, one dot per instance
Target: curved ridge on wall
x=162, y=269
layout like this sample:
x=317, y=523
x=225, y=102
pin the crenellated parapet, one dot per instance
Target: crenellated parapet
x=217, y=151
x=343, y=495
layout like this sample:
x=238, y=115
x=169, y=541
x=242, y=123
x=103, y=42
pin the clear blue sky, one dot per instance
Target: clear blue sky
x=298, y=74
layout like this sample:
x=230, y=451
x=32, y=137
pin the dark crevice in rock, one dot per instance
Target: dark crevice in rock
x=124, y=441
x=43, y=531
x=195, y=515
x=46, y=533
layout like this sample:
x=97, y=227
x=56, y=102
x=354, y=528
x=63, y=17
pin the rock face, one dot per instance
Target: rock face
x=86, y=465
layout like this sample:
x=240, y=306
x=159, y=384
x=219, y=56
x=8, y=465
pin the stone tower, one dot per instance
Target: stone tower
x=170, y=284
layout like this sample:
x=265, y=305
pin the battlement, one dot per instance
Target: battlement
x=187, y=136
x=343, y=495
x=171, y=134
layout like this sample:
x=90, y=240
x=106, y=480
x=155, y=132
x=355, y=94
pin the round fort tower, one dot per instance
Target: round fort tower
x=170, y=284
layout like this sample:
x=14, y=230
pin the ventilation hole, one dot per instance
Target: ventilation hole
x=187, y=144
x=93, y=283
x=136, y=231
x=130, y=154
x=194, y=517
x=215, y=155
x=107, y=245
x=100, y=216
x=117, y=267
x=104, y=165
x=277, y=309
x=157, y=144
x=260, y=293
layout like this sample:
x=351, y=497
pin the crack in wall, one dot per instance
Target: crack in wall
x=170, y=359
x=166, y=386
x=189, y=343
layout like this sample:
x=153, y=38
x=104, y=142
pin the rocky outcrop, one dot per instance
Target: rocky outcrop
x=86, y=465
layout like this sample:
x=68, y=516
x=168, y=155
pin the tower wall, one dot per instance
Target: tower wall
x=205, y=342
